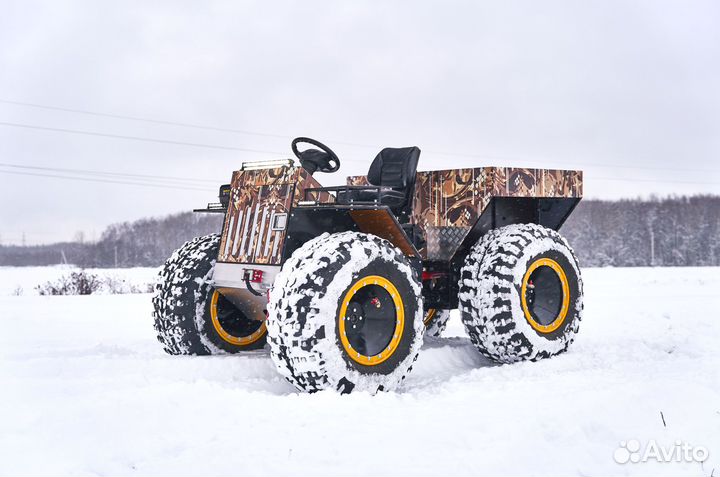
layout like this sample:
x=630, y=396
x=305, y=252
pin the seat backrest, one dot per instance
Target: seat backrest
x=396, y=168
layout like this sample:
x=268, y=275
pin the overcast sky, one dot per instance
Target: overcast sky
x=627, y=91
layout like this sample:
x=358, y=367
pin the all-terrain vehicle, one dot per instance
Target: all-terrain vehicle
x=343, y=283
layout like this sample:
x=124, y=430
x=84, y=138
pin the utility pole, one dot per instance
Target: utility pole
x=652, y=248
x=650, y=219
x=116, y=256
x=23, y=239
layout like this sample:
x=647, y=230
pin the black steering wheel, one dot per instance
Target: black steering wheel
x=313, y=160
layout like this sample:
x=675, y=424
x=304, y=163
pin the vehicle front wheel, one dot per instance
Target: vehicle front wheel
x=345, y=313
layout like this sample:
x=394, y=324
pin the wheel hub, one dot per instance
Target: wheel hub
x=354, y=318
x=371, y=320
x=231, y=323
x=545, y=295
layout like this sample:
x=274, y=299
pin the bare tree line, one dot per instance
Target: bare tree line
x=142, y=243
x=673, y=231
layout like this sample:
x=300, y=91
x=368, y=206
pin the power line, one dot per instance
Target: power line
x=87, y=179
x=166, y=122
x=184, y=187
x=274, y=135
x=539, y=164
x=282, y=136
x=138, y=138
x=620, y=179
x=575, y=164
x=108, y=173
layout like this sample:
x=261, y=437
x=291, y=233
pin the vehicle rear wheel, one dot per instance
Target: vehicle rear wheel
x=345, y=313
x=521, y=294
x=435, y=322
x=232, y=330
x=191, y=317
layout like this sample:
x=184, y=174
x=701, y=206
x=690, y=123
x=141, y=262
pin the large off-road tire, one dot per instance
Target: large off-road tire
x=521, y=294
x=345, y=313
x=191, y=317
x=435, y=322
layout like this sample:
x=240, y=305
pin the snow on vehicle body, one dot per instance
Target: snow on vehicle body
x=423, y=241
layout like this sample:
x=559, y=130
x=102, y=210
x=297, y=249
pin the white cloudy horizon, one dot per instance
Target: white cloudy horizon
x=626, y=91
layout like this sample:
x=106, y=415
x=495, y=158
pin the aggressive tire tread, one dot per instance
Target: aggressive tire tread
x=489, y=294
x=302, y=325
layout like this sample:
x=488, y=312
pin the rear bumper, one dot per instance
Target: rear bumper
x=231, y=275
x=228, y=279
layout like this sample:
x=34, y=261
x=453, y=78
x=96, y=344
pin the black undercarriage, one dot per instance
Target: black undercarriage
x=439, y=277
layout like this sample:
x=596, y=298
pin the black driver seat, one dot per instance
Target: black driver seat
x=394, y=171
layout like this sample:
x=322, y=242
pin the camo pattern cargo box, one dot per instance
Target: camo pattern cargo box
x=448, y=202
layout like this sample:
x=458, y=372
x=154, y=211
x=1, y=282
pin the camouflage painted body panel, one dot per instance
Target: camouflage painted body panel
x=447, y=203
x=514, y=182
x=256, y=197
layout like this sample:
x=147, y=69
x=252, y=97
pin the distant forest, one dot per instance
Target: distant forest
x=676, y=231
x=142, y=243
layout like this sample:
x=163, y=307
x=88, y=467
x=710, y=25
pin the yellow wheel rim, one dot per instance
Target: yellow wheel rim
x=234, y=340
x=565, y=306
x=399, y=324
x=429, y=316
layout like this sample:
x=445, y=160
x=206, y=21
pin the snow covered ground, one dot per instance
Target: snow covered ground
x=85, y=389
